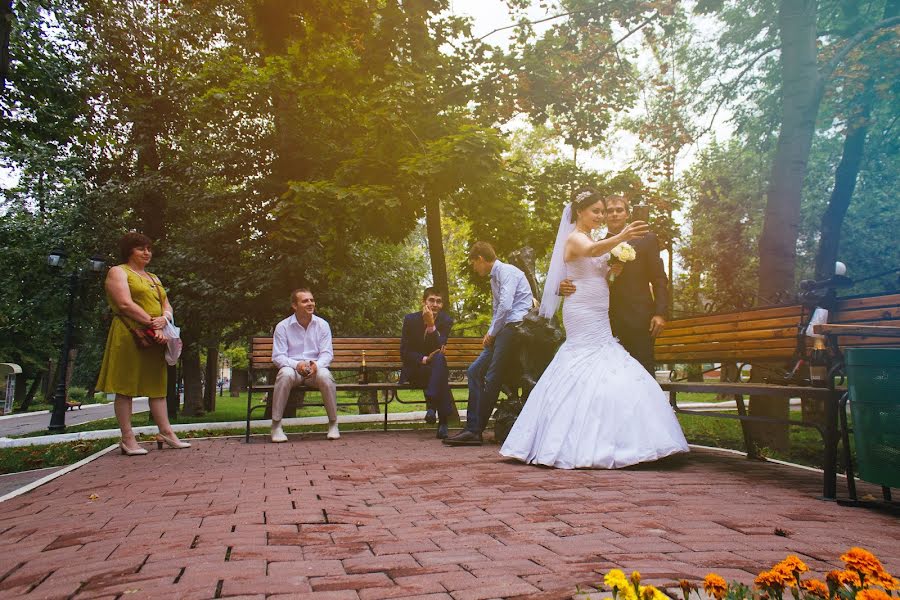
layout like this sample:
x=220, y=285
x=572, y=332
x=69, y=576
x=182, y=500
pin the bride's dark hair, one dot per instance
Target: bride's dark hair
x=583, y=198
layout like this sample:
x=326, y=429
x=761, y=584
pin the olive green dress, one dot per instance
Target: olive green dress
x=127, y=369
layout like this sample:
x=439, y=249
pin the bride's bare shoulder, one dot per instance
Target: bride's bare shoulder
x=576, y=246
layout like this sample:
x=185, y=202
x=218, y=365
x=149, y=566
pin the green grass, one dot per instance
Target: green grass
x=806, y=444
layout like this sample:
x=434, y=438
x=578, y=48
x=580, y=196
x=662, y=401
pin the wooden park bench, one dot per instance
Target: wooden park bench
x=382, y=355
x=766, y=335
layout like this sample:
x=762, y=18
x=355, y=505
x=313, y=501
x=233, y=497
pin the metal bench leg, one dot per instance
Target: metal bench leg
x=845, y=442
x=249, y=405
x=886, y=493
x=749, y=444
x=386, y=400
x=829, y=457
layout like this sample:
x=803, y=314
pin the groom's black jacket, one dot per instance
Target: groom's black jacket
x=631, y=304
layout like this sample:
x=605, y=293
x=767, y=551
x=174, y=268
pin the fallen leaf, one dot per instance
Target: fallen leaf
x=93, y=497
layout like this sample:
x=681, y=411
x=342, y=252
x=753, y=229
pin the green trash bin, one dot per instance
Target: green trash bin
x=873, y=377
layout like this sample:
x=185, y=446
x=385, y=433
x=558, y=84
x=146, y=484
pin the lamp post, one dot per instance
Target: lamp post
x=57, y=260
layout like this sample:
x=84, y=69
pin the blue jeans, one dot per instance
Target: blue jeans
x=486, y=375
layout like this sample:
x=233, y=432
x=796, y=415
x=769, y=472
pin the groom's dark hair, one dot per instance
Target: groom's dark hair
x=484, y=250
x=431, y=291
x=581, y=199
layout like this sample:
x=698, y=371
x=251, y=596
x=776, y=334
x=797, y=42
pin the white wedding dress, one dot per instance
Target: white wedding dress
x=595, y=406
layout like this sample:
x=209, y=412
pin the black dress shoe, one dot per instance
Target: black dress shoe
x=430, y=417
x=442, y=432
x=464, y=438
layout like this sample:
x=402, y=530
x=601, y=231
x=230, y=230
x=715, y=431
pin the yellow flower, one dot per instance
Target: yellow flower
x=635, y=578
x=872, y=594
x=862, y=561
x=814, y=587
x=616, y=579
x=715, y=586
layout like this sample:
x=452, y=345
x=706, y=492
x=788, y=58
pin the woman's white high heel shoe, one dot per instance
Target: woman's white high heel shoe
x=140, y=451
x=170, y=442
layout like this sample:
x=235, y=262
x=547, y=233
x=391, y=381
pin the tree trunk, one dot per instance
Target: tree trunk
x=212, y=377
x=844, y=184
x=436, y=246
x=70, y=368
x=6, y=21
x=26, y=401
x=193, y=387
x=151, y=207
x=799, y=105
x=847, y=171
x=778, y=241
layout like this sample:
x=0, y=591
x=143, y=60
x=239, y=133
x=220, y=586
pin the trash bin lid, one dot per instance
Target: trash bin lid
x=872, y=357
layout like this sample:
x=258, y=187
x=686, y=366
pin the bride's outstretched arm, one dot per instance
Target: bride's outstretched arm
x=579, y=245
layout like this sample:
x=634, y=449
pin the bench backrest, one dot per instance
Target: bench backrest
x=382, y=354
x=767, y=333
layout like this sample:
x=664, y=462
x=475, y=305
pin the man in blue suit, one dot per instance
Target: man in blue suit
x=422, y=344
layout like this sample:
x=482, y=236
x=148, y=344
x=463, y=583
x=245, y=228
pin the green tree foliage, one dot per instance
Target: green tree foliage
x=725, y=193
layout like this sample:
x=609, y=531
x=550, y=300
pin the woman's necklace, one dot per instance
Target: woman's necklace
x=144, y=275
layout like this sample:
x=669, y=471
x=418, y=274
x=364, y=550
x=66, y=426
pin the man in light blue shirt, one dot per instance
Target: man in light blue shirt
x=512, y=300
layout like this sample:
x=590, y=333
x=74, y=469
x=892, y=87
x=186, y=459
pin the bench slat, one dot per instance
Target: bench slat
x=791, y=310
x=868, y=301
x=674, y=328
x=758, y=334
x=884, y=313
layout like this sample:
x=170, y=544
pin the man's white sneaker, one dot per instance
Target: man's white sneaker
x=278, y=433
x=333, y=432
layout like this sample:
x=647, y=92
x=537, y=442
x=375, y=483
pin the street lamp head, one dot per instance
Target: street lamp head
x=96, y=263
x=57, y=258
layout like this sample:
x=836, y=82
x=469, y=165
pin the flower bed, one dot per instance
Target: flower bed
x=863, y=578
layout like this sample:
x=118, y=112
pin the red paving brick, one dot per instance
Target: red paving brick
x=398, y=515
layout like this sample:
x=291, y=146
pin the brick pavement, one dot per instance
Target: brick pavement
x=397, y=515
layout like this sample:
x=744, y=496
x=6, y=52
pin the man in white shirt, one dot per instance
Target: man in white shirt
x=302, y=351
x=511, y=301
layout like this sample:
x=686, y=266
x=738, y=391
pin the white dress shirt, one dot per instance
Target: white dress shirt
x=511, y=296
x=293, y=343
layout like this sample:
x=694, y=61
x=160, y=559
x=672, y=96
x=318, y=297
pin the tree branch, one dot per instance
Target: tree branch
x=731, y=85
x=862, y=36
x=521, y=23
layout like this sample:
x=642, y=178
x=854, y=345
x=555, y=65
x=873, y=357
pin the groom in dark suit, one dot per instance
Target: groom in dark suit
x=422, y=344
x=636, y=315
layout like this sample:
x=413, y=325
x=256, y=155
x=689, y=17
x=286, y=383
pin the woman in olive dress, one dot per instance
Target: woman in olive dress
x=140, y=308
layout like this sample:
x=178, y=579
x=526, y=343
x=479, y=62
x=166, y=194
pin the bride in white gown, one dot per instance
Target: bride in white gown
x=595, y=406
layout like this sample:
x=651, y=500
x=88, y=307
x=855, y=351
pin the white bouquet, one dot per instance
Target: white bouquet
x=622, y=253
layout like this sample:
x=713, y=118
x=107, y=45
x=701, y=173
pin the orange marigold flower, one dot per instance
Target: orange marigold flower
x=850, y=578
x=788, y=577
x=815, y=588
x=792, y=564
x=862, y=561
x=715, y=586
x=772, y=580
x=872, y=594
x=885, y=580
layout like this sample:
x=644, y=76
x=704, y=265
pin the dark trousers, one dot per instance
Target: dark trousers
x=486, y=375
x=435, y=378
x=638, y=343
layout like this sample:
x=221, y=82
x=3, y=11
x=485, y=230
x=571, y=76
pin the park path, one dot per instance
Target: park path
x=22, y=423
x=398, y=515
